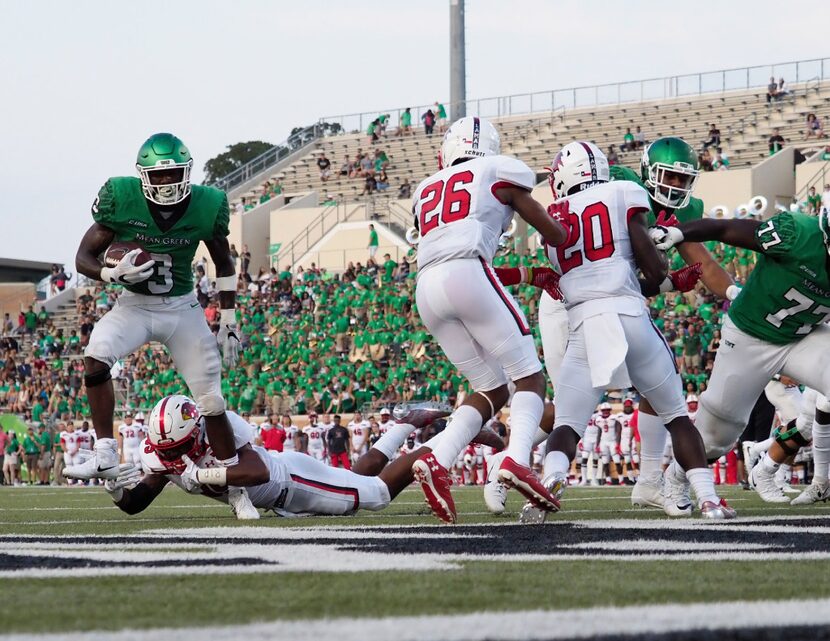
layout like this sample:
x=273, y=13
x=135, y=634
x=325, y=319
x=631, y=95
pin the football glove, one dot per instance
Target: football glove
x=228, y=337
x=685, y=279
x=665, y=237
x=547, y=279
x=125, y=272
x=666, y=220
x=560, y=211
x=190, y=476
x=129, y=474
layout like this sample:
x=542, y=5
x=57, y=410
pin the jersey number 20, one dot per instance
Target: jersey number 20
x=456, y=202
x=594, y=227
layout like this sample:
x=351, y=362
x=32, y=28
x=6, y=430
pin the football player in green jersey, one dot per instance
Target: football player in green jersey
x=776, y=325
x=669, y=172
x=161, y=211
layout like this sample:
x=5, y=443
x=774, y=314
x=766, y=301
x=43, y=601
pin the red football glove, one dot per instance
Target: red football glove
x=666, y=220
x=560, y=211
x=547, y=279
x=684, y=280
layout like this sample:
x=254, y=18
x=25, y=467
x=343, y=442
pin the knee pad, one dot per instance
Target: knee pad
x=718, y=434
x=210, y=405
x=792, y=432
x=98, y=377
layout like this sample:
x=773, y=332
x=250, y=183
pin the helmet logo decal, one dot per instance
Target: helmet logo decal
x=476, y=132
x=591, y=160
x=189, y=411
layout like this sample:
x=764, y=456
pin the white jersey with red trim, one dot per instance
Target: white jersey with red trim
x=265, y=495
x=597, y=261
x=360, y=435
x=132, y=435
x=457, y=212
x=385, y=425
x=69, y=441
x=316, y=437
x=625, y=423
x=85, y=439
x=606, y=426
x=290, y=432
x=591, y=436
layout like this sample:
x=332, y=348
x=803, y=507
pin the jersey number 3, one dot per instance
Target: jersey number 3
x=455, y=199
x=161, y=281
x=594, y=227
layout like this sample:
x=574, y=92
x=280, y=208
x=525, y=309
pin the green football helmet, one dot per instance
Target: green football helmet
x=669, y=169
x=164, y=165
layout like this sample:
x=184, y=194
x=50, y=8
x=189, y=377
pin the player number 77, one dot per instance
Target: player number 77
x=802, y=304
x=769, y=227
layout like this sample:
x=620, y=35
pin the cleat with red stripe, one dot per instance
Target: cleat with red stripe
x=527, y=483
x=435, y=482
x=421, y=413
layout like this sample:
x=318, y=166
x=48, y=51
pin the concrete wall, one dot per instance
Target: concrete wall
x=14, y=297
x=348, y=242
x=807, y=171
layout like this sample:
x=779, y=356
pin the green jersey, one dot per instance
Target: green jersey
x=788, y=293
x=122, y=208
x=692, y=211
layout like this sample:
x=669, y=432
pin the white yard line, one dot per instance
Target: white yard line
x=514, y=626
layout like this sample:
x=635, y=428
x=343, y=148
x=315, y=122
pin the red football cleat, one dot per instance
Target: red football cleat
x=435, y=482
x=527, y=483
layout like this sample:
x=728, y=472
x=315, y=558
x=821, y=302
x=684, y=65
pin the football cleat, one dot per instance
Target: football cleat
x=648, y=491
x=527, y=483
x=102, y=464
x=676, y=500
x=717, y=511
x=421, y=413
x=817, y=491
x=555, y=484
x=241, y=504
x=763, y=482
x=495, y=496
x=435, y=483
x=751, y=455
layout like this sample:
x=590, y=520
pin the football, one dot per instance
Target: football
x=117, y=250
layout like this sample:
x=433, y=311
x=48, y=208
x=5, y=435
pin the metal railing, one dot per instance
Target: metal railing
x=607, y=94
x=268, y=159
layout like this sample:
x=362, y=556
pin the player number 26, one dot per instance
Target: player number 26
x=455, y=201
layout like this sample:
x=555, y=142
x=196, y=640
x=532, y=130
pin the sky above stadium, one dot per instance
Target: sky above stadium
x=85, y=82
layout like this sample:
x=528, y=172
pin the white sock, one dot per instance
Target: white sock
x=394, y=439
x=784, y=473
x=526, y=410
x=653, y=436
x=556, y=461
x=703, y=483
x=462, y=427
x=821, y=451
x=540, y=437
x=768, y=465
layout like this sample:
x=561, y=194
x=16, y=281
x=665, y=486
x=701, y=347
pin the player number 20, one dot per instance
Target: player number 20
x=161, y=281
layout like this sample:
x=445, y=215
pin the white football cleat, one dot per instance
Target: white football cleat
x=555, y=484
x=763, y=482
x=676, y=499
x=241, y=504
x=817, y=491
x=751, y=455
x=495, y=496
x=648, y=491
x=103, y=462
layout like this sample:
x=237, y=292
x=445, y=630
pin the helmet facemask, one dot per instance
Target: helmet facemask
x=166, y=183
x=672, y=196
x=170, y=454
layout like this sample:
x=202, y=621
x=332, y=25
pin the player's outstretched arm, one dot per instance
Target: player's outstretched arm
x=738, y=233
x=651, y=262
x=533, y=213
x=136, y=499
x=715, y=277
x=251, y=470
x=96, y=239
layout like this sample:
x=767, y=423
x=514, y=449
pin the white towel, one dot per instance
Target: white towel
x=606, y=347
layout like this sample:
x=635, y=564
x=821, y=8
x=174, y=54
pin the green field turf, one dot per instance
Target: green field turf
x=53, y=604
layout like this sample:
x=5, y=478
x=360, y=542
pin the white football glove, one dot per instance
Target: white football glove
x=665, y=237
x=189, y=477
x=125, y=272
x=228, y=337
x=129, y=474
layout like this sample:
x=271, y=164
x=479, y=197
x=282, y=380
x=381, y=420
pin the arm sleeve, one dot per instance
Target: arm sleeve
x=515, y=173
x=220, y=227
x=103, y=209
x=777, y=236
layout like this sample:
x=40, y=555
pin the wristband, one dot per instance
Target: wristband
x=226, y=283
x=212, y=475
x=732, y=292
x=227, y=316
x=666, y=285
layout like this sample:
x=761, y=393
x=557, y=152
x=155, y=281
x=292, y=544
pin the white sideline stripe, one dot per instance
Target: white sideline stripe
x=513, y=626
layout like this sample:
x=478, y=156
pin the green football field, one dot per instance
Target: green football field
x=71, y=562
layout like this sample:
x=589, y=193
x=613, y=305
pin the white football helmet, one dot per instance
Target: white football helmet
x=469, y=137
x=605, y=407
x=577, y=166
x=691, y=399
x=175, y=429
